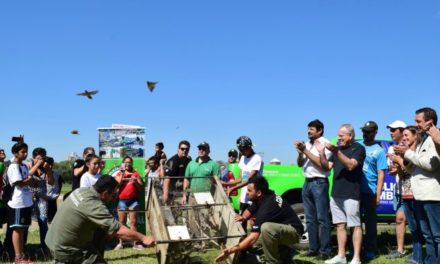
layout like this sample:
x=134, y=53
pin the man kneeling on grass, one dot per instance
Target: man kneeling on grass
x=71, y=237
x=276, y=228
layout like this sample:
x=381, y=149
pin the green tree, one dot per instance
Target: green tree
x=65, y=169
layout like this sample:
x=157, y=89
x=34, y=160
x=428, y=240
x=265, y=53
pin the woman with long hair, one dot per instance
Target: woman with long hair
x=410, y=138
x=130, y=184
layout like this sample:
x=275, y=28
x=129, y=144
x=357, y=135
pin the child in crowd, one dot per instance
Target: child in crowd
x=89, y=178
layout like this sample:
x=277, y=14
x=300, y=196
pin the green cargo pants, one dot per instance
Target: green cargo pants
x=275, y=241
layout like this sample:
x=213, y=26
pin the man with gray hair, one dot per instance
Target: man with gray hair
x=347, y=162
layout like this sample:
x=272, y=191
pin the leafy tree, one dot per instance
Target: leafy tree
x=65, y=169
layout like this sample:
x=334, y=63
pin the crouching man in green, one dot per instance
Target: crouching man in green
x=276, y=228
x=71, y=235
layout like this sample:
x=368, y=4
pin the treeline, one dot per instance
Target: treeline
x=65, y=169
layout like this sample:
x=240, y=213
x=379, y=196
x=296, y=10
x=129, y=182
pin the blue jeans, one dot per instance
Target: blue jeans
x=369, y=218
x=40, y=210
x=414, y=227
x=42, y=224
x=316, y=206
x=428, y=214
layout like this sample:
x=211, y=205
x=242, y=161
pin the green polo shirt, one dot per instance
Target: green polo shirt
x=204, y=169
x=75, y=223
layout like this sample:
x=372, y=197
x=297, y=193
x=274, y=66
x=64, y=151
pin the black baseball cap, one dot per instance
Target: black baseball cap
x=233, y=152
x=204, y=145
x=369, y=126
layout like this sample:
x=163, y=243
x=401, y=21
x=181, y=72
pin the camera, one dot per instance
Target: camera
x=49, y=160
x=17, y=139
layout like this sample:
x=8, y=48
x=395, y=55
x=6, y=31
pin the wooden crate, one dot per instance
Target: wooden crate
x=210, y=225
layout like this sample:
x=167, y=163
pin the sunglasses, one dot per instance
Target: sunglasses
x=184, y=149
x=393, y=130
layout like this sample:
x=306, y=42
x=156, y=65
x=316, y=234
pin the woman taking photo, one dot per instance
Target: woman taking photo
x=130, y=184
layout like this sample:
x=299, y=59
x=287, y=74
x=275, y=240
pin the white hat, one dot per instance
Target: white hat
x=275, y=161
x=397, y=124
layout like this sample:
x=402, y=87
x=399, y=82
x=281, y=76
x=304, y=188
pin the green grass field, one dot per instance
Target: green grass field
x=386, y=242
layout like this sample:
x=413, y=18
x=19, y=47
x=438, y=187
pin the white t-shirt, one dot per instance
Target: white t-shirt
x=22, y=196
x=88, y=180
x=151, y=174
x=310, y=169
x=254, y=163
x=389, y=162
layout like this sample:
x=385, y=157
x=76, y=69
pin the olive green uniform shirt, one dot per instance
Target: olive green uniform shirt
x=72, y=230
x=204, y=169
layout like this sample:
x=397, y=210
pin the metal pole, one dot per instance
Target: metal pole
x=182, y=207
x=195, y=239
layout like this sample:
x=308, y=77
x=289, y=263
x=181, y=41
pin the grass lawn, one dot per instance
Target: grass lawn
x=386, y=241
x=67, y=187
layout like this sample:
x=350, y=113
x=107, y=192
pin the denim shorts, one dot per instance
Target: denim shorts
x=130, y=204
x=398, y=203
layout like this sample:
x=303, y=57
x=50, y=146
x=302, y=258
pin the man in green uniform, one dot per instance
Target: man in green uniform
x=202, y=166
x=70, y=237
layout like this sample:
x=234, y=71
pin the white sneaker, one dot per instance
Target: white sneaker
x=355, y=262
x=336, y=260
x=119, y=246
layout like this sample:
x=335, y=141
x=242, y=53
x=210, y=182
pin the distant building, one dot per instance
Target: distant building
x=275, y=161
x=73, y=156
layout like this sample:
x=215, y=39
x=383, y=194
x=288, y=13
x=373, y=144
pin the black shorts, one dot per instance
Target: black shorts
x=19, y=217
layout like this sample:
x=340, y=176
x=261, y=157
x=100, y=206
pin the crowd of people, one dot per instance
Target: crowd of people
x=29, y=191
x=358, y=177
x=85, y=221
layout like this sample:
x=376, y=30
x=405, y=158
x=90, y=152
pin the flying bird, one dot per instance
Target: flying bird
x=88, y=93
x=74, y=132
x=151, y=85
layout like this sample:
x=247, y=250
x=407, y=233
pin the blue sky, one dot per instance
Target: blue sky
x=225, y=69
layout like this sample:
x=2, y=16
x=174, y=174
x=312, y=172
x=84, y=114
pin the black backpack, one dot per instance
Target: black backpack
x=8, y=189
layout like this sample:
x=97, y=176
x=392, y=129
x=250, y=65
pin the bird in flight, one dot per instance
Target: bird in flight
x=74, y=132
x=88, y=93
x=151, y=85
